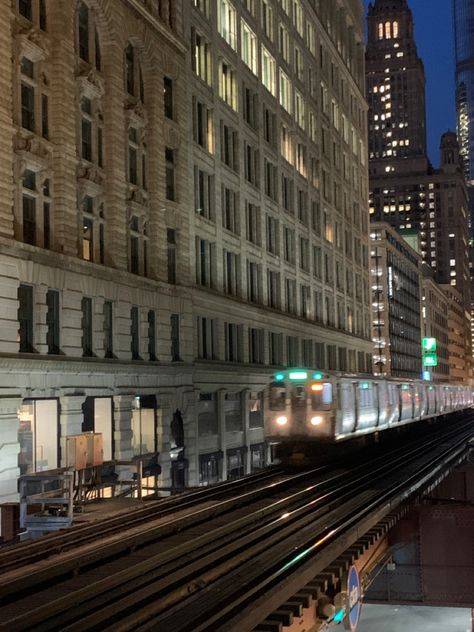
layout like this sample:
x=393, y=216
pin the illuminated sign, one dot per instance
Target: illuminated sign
x=430, y=359
x=298, y=375
x=279, y=377
x=427, y=376
x=354, y=595
x=318, y=376
x=429, y=344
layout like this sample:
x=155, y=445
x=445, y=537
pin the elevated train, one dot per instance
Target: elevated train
x=306, y=406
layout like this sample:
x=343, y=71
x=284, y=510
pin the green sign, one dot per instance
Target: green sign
x=429, y=344
x=430, y=359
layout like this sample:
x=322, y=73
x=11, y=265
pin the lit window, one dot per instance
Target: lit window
x=249, y=47
x=227, y=23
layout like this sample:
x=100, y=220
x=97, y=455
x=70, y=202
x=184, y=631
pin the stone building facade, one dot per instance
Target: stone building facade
x=396, y=304
x=182, y=211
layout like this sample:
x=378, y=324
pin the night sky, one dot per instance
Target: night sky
x=435, y=41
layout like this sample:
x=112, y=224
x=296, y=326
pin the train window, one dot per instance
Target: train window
x=322, y=399
x=298, y=397
x=277, y=396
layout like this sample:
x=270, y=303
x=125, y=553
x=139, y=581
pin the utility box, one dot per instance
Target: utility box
x=95, y=449
x=76, y=451
x=85, y=450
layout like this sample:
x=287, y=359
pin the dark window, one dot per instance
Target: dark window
x=27, y=106
x=52, y=321
x=86, y=305
x=108, y=330
x=168, y=97
x=88, y=240
x=135, y=333
x=175, y=351
x=171, y=237
x=101, y=244
x=98, y=56
x=44, y=116
x=100, y=147
x=134, y=255
x=46, y=225
x=86, y=151
x=83, y=32
x=151, y=335
x=25, y=318
x=25, y=9
x=42, y=14
x=170, y=166
x=132, y=165
x=130, y=69
x=29, y=220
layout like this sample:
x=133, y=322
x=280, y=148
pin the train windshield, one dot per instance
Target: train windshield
x=321, y=396
x=277, y=396
x=298, y=397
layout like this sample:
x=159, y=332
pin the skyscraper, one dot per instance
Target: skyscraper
x=464, y=48
x=405, y=190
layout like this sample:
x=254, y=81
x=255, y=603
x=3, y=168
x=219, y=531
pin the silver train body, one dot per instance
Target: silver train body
x=316, y=406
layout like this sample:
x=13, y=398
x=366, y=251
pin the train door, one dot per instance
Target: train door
x=346, y=408
x=383, y=404
x=366, y=409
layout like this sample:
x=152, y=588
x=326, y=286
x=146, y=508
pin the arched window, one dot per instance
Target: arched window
x=395, y=29
x=388, y=30
x=380, y=30
x=133, y=74
x=88, y=45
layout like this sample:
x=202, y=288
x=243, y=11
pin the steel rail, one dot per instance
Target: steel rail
x=234, y=612
x=180, y=614
x=244, y=538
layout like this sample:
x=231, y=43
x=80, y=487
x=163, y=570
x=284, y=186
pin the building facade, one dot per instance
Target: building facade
x=396, y=304
x=405, y=190
x=182, y=212
x=434, y=317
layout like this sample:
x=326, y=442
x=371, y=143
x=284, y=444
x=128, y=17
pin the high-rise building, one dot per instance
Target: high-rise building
x=464, y=49
x=405, y=190
x=183, y=211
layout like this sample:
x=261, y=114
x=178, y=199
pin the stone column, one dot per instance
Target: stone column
x=246, y=423
x=9, y=448
x=222, y=430
x=9, y=297
x=70, y=419
x=123, y=427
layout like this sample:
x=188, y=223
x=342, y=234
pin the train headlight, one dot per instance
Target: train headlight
x=282, y=421
x=316, y=421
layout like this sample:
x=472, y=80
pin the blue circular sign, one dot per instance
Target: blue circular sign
x=354, y=598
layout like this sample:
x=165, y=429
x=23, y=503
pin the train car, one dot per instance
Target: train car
x=310, y=406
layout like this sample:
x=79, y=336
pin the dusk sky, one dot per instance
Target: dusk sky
x=435, y=41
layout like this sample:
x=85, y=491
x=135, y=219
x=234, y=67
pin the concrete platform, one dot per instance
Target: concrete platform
x=100, y=509
x=392, y=618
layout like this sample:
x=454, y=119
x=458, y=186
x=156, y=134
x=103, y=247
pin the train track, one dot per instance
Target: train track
x=200, y=572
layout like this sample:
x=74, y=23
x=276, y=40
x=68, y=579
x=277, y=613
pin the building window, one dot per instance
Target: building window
x=285, y=92
x=91, y=131
x=230, y=210
x=251, y=163
x=231, y=273
x=204, y=193
x=175, y=335
x=272, y=235
x=249, y=47
x=86, y=306
x=88, y=46
x=25, y=8
x=133, y=74
x=204, y=262
x=108, y=328
x=138, y=245
x=168, y=100
x=151, y=319
x=268, y=71
x=273, y=289
x=135, y=333
x=267, y=19
x=170, y=173
x=233, y=342
x=290, y=296
x=252, y=222
x=25, y=318
x=29, y=219
x=276, y=348
x=227, y=22
x=203, y=126
x=171, y=254
x=206, y=334
x=201, y=58
x=228, y=90
x=271, y=180
x=229, y=147
x=28, y=85
x=52, y=321
x=256, y=350
x=253, y=282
